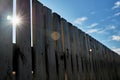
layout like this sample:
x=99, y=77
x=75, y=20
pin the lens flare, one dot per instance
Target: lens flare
x=8, y=17
x=16, y=20
x=14, y=73
x=55, y=35
x=90, y=50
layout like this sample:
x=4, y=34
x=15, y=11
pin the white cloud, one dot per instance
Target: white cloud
x=117, y=50
x=107, y=18
x=100, y=31
x=80, y=20
x=93, y=25
x=104, y=31
x=111, y=27
x=117, y=14
x=116, y=38
x=92, y=31
x=105, y=41
x=116, y=5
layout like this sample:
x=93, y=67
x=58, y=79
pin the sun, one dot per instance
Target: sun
x=16, y=20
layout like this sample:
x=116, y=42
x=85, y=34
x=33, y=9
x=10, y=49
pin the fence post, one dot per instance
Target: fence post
x=6, y=9
x=23, y=40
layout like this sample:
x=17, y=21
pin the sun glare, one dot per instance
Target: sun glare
x=8, y=17
x=14, y=20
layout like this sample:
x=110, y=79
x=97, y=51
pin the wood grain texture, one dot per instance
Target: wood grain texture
x=58, y=46
x=66, y=49
x=23, y=40
x=39, y=41
x=49, y=45
x=6, y=8
x=73, y=51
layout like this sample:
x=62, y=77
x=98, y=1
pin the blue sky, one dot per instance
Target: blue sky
x=98, y=18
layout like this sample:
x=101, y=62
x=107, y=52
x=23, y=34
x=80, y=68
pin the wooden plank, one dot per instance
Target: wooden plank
x=58, y=46
x=111, y=71
x=5, y=40
x=97, y=60
x=88, y=55
x=78, y=49
x=93, y=58
x=116, y=67
x=92, y=53
x=80, y=56
x=113, y=68
x=81, y=37
x=73, y=50
x=39, y=42
x=118, y=60
x=23, y=40
x=105, y=62
x=85, y=56
x=66, y=49
x=49, y=45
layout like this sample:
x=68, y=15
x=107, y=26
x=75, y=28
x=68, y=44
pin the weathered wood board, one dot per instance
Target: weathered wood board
x=49, y=45
x=6, y=9
x=58, y=46
x=23, y=40
x=79, y=49
x=66, y=49
x=38, y=42
x=73, y=51
x=84, y=56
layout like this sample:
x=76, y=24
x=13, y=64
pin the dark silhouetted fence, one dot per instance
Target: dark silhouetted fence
x=60, y=50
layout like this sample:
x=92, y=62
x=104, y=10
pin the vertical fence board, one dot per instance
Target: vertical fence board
x=58, y=46
x=90, y=54
x=5, y=40
x=84, y=57
x=78, y=56
x=60, y=50
x=81, y=37
x=96, y=60
x=23, y=40
x=49, y=45
x=78, y=53
x=39, y=42
x=92, y=57
x=66, y=49
x=73, y=51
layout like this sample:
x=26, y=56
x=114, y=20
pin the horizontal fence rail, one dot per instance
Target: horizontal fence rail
x=60, y=50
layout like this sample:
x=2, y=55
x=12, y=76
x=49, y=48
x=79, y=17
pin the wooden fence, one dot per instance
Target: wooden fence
x=60, y=50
